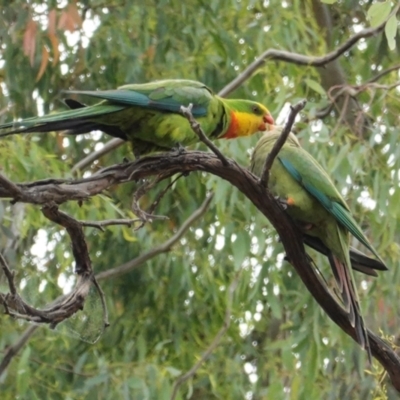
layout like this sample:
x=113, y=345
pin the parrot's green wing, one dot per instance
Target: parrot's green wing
x=167, y=96
x=162, y=96
x=307, y=172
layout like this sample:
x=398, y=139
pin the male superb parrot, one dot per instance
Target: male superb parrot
x=148, y=115
x=316, y=206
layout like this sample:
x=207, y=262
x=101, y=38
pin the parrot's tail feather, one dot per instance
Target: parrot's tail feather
x=359, y=261
x=72, y=127
x=339, y=271
x=350, y=300
x=74, y=104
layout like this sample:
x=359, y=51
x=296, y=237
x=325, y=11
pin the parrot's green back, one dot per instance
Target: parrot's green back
x=318, y=209
x=148, y=115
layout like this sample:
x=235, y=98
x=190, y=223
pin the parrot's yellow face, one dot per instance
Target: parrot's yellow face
x=246, y=123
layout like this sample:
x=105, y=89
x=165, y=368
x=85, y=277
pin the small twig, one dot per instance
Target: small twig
x=187, y=112
x=107, y=222
x=383, y=73
x=216, y=341
x=163, y=248
x=12, y=302
x=294, y=110
x=143, y=215
x=156, y=202
x=14, y=349
x=106, y=324
x=9, y=275
x=93, y=156
x=351, y=91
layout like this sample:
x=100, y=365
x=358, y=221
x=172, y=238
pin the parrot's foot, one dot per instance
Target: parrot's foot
x=179, y=149
x=305, y=226
x=283, y=203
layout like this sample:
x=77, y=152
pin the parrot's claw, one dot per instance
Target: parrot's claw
x=283, y=203
x=179, y=149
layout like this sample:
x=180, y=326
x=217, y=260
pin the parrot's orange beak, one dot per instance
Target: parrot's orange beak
x=268, y=120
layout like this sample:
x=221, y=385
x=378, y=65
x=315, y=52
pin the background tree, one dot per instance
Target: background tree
x=165, y=313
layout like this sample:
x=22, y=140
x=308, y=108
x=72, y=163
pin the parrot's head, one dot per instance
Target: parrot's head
x=246, y=118
x=275, y=131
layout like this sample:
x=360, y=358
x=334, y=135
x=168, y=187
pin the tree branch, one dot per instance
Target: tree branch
x=185, y=161
x=294, y=110
x=299, y=59
x=13, y=350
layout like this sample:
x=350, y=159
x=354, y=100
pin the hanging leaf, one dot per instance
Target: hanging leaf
x=378, y=13
x=29, y=43
x=43, y=64
x=54, y=45
x=51, y=24
x=390, y=31
x=314, y=85
x=70, y=20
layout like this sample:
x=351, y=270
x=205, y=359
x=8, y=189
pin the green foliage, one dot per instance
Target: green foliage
x=165, y=314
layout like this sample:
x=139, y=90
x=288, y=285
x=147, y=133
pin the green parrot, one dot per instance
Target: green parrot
x=148, y=115
x=312, y=201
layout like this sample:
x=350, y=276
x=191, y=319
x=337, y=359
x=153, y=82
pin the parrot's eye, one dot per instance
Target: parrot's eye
x=256, y=110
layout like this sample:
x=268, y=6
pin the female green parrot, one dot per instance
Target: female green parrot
x=315, y=205
x=148, y=115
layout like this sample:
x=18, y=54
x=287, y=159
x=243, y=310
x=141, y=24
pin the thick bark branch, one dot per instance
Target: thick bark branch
x=172, y=163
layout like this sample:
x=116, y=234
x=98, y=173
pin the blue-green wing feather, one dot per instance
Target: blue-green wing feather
x=168, y=97
x=346, y=219
x=320, y=196
x=309, y=175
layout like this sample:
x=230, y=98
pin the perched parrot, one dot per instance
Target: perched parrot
x=315, y=205
x=148, y=115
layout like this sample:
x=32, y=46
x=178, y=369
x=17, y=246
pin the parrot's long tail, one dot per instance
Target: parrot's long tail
x=79, y=119
x=344, y=279
x=359, y=261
